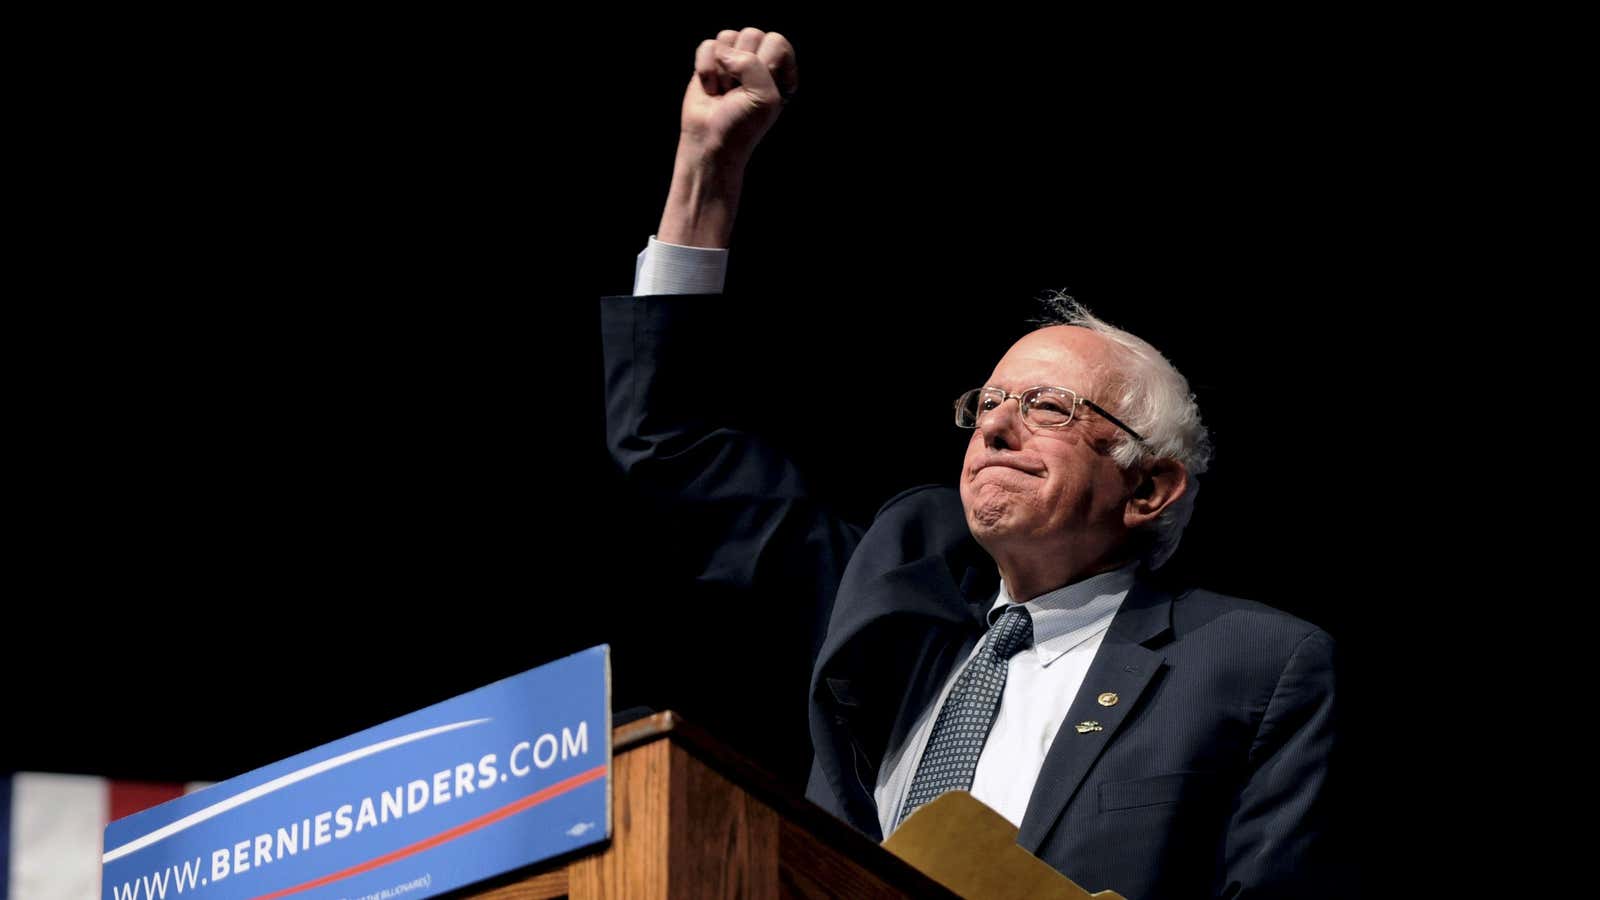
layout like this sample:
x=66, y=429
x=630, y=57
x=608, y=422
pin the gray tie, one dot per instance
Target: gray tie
x=951, y=757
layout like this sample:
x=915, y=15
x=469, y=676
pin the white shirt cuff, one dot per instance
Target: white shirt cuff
x=664, y=268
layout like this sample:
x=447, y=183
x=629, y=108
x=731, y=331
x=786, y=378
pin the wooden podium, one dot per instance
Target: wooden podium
x=690, y=819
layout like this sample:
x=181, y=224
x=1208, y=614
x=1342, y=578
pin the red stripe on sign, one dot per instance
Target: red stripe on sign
x=444, y=837
x=129, y=797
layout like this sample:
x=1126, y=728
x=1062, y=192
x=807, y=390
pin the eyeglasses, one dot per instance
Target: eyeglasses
x=1042, y=407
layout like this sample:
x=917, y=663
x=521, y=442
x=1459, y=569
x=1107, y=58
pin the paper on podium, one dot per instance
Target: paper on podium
x=972, y=850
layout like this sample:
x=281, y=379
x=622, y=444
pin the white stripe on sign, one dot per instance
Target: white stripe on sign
x=57, y=823
x=282, y=781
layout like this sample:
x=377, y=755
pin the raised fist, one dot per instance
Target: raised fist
x=741, y=81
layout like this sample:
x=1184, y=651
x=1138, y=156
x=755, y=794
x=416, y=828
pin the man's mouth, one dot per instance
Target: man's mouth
x=1019, y=464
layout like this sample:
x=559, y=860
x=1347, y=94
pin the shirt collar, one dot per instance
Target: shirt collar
x=1070, y=615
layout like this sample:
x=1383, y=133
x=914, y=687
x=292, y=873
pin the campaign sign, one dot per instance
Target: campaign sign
x=492, y=780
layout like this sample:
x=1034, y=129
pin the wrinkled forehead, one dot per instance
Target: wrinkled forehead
x=1063, y=355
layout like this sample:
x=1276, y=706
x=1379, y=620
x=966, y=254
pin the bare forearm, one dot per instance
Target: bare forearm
x=702, y=201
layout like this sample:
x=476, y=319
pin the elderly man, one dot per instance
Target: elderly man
x=1003, y=638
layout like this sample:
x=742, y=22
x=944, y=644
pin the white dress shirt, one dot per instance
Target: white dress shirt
x=1041, y=681
x=664, y=268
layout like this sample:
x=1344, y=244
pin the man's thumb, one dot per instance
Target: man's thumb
x=745, y=66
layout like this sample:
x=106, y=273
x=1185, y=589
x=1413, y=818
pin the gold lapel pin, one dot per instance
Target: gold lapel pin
x=1086, y=727
x=1108, y=699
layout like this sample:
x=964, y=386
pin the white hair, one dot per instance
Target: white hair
x=1152, y=397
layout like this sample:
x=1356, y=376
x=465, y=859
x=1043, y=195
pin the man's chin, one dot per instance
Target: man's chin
x=991, y=515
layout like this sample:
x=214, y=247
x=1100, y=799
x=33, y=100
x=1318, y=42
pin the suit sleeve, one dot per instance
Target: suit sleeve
x=1283, y=838
x=741, y=513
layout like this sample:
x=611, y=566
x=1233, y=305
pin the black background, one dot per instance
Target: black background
x=309, y=402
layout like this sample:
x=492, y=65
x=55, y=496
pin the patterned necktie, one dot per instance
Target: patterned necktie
x=951, y=757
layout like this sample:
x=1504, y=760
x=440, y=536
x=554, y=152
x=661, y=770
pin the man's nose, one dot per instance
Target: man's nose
x=1001, y=425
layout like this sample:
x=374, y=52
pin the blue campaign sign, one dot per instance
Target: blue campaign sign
x=495, y=779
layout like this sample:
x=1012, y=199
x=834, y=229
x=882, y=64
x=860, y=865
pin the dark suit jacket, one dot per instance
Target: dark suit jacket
x=1208, y=777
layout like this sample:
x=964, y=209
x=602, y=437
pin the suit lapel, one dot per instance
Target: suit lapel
x=889, y=652
x=962, y=624
x=1124, y=666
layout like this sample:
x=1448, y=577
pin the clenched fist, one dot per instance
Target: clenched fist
x=741, y=81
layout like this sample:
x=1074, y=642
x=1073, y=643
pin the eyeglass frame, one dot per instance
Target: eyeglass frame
x=1022, y=409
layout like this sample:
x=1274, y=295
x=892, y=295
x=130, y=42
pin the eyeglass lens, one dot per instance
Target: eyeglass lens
x=1045, y=407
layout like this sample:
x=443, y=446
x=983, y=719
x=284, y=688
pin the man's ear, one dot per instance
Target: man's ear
x=1160, y=483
